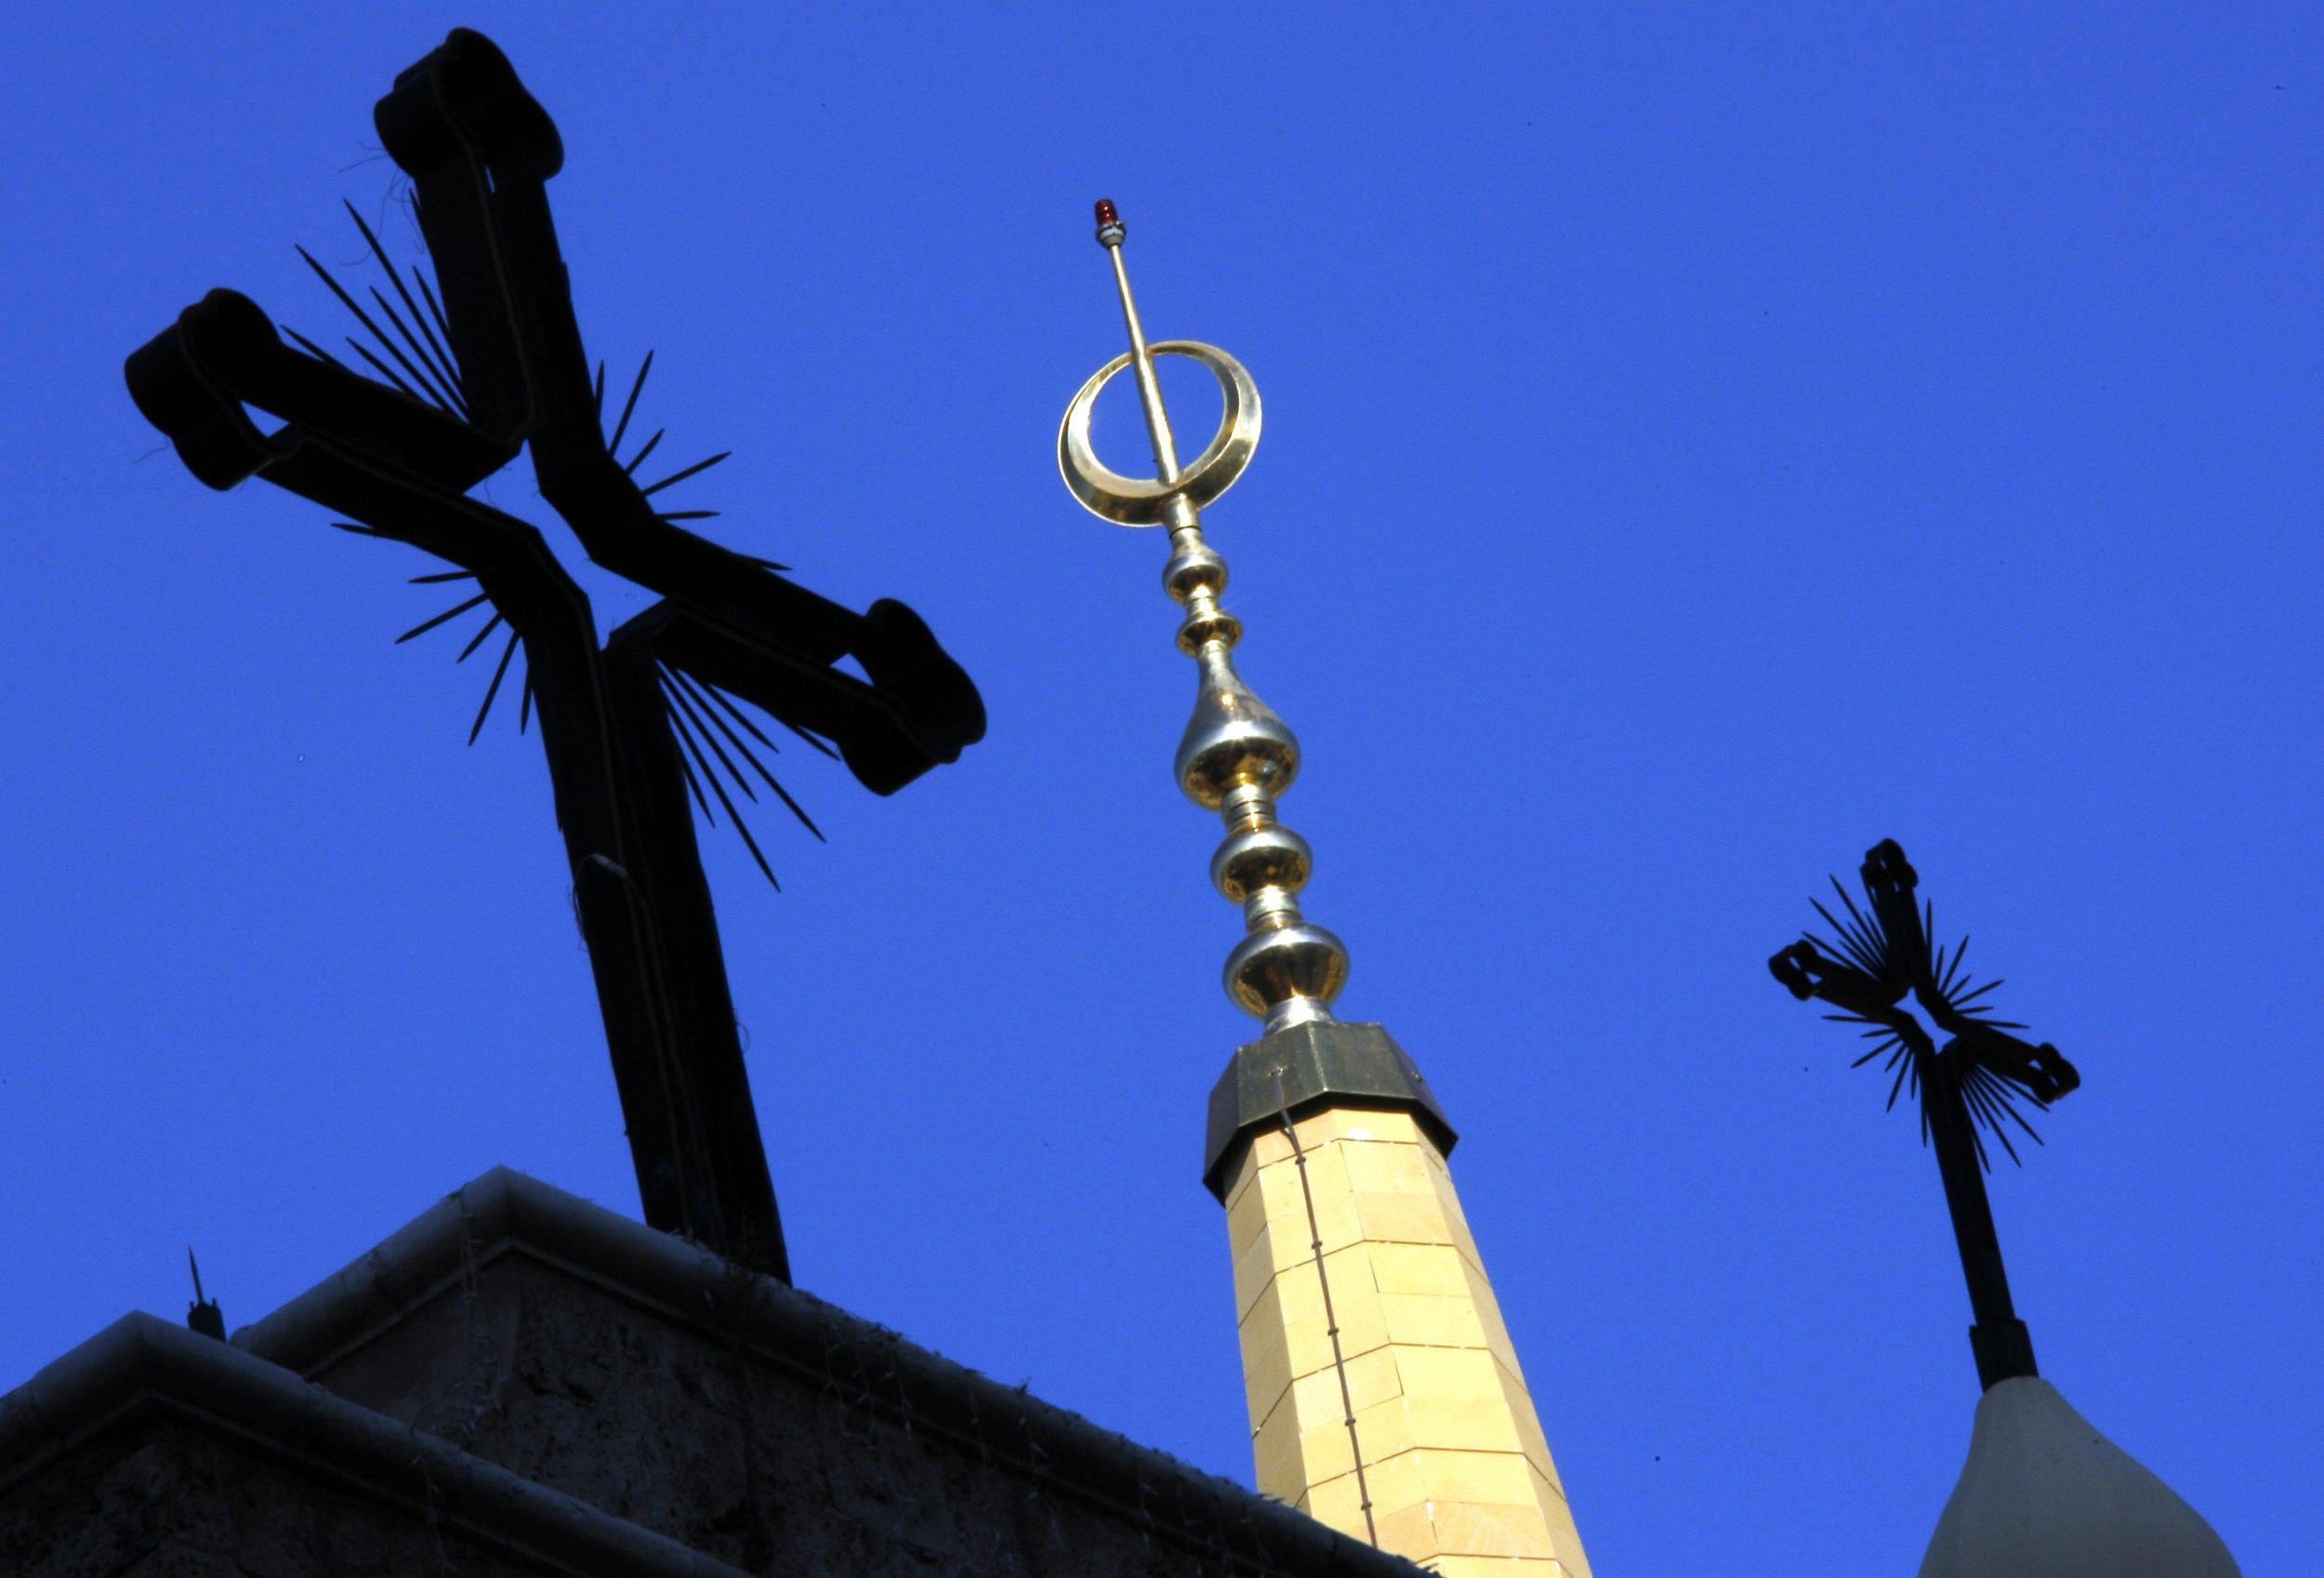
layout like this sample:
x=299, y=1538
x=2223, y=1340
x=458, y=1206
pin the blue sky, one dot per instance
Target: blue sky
x=1699, y=444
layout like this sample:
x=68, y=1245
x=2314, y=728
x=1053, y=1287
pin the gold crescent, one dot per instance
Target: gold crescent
x=1127, y=501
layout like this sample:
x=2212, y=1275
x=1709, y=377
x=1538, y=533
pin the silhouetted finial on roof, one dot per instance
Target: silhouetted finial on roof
x=204, y=1314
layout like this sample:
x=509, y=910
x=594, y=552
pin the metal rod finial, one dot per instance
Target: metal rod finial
x=204, y=1314
x=1110, y=227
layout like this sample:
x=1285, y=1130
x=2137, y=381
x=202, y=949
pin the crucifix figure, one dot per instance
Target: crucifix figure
x=1974, y=1082
x=494, y=365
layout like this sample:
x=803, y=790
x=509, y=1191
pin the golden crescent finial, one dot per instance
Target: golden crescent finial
x=1128, y=501
x=1236, y=755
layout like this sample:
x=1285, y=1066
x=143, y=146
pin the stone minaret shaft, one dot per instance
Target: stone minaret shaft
x=1385, y=1397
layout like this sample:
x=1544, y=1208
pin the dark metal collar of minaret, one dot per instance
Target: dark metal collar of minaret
x=1236, y=758
x=1875, y=958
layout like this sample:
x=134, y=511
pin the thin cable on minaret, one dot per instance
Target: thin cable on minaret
x=1331, y=1319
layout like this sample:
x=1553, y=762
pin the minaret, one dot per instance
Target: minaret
x=1385, y=1397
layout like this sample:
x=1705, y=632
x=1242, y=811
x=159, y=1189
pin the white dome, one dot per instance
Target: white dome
x=2044, y=1495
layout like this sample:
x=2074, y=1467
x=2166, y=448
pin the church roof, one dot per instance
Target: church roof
x=528, y=1382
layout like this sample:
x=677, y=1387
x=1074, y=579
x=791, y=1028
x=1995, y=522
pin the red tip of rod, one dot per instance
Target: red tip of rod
x=1107, y=213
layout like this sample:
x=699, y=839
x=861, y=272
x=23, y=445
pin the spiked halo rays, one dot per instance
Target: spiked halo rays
x=431, y=366
x=1898, y=965
x=698, y=713
x=696, y=709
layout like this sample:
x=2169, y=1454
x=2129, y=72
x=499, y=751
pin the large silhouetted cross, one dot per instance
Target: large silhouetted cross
x=494, y=366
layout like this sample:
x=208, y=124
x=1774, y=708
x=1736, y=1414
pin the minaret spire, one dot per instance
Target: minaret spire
x=1385, y=1397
